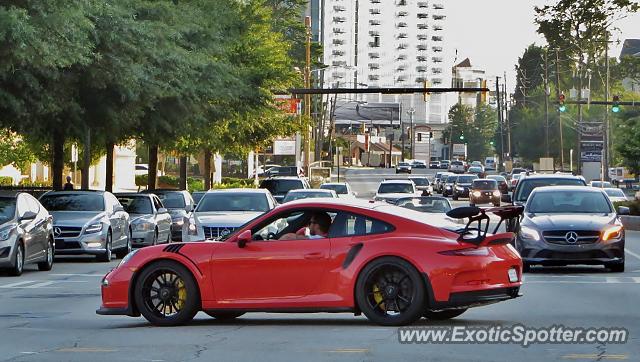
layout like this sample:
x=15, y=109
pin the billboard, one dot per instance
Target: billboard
x=284, y=147
x=460, y=149
x=591, y=151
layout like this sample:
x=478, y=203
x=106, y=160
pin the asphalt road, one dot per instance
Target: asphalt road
x=50, y=316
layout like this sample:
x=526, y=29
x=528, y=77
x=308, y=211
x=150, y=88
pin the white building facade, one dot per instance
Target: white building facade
x=387, y=43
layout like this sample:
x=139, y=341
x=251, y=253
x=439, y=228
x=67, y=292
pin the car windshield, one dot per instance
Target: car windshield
x=281, y=186
x=615, y=192
x=498, y=178
x=426, y=204
x=197, y=196
x=475, y=169
x=451, y=179
x=485, y=184
x=7, y=209
x=600, y=184
x=569, y=202
x=73, y=202
x=403, y=164
x=395, y=188
x=172, y=200
x=456, y=163
x=420, y=181
x=528, y=185
x=136, y=204
x=466, y=179
x=291, y=196
x=233, y=202
x=339, y=189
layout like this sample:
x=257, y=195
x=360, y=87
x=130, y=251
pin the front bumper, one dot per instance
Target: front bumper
x=176, y=230
x=403, y=170
x=80, y=245
x=142, y=238
x=461, y=193
x=7, y=252
x=543, y=253
x=485, y=199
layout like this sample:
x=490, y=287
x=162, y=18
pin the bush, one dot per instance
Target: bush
x=247, y=182
x=28, y=183
x=634, y=206
x=142, y=180
x=194, y=184
x=168, y=181
x=6, y=181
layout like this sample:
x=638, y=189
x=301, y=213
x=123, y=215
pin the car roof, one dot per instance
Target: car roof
x=238, y=190
x=10, y=193
x=567, y=188
x=302, y=191
x=397, y=181
x=131, y=194
x=160, y=190
x=550, y=176
x=76, y=192
x=335, y=183
x=283, y=178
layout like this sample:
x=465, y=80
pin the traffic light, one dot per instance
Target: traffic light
x=615, y=108
x=491, y=143
x=561, y=106
x=461, y=137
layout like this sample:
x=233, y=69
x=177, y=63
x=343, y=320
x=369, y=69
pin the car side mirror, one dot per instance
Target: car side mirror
x=118, y=209
x=28, y=215
x=162, y=210
x=244, y=238
x=623, y=210
x=188, y=208
x=506, y=198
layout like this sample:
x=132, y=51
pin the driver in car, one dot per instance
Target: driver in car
x=318, y=228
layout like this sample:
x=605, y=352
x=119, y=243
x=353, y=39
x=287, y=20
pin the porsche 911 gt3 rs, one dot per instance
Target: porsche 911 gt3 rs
x=394, y=265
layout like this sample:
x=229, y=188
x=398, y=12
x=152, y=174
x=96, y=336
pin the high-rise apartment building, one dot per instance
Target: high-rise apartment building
x=387, y=43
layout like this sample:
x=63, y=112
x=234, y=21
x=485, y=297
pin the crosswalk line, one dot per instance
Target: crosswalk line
x=12, y=285
x=40, y=285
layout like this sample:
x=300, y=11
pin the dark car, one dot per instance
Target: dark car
x=26, y=233
x=448, y=182
x=565, y=225
x=180, y=205
x=503, y=186
x=438, y=181
x=485, y=191
x=462, y=186
x=527, y=184
x=280, y=186
x=284, y=171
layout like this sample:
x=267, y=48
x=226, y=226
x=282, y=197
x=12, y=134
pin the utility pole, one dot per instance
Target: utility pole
x=86, y=160
x=547, y=93
x=579, y=157
x=506, y=115
x=307, y=97
x=412, y=136
x=559, y=114
x=391, y=138
x=605, y=131
x=500, y=121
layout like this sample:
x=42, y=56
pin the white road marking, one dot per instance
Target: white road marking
x=40, y=285
x=12, y=285
x=80, y=275
x=637, y=256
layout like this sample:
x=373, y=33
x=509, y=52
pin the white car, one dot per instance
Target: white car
x=615, y=195
x=392, y=190
x=458, y=167
x=343, y=189
x=309, y=194
x=601, y=184
x=220, y=212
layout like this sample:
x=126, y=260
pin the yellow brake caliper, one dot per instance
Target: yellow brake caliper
x=377, y=296
x=182, y=294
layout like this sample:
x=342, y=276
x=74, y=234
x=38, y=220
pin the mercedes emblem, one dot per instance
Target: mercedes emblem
x=57, y=231
x=571, y=237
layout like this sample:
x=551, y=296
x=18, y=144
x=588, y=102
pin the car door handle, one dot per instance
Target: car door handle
x=312, y=256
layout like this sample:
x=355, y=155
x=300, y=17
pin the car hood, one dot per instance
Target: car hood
x=135, y=217
x=569, y=221
x=75, y=218
x=225, y=218
x=177, y=213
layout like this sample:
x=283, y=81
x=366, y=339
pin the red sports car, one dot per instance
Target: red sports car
x=395, y=265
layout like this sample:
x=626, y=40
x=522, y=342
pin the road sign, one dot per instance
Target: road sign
x=74, y=153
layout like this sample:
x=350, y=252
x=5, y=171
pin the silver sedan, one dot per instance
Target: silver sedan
x=150, y=220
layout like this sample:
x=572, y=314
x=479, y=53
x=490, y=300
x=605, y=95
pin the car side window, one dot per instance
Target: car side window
x=112, y=201
x=157, y=203
x=349, y=224
x=34, y=205
x=22, y=205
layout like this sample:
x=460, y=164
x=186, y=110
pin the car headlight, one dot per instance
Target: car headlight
x=5, y=234
x=178, y=221
x=613, y=233
x=128, y=257
x=142, y=226
x=476, y=194
x=93, y=228
x=459, y=188
x=528, y=233
x=448, y=187
x=193, y=228
x=496, y=193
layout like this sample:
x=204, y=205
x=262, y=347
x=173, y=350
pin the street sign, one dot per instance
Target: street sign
x=591, y=151
x=74, y=153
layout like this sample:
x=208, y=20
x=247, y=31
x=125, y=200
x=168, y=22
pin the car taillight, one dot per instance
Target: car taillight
x=482, y=251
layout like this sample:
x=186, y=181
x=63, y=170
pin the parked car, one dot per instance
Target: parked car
x=418, y=164
x=435, y=165
x=422, y=185
x=88, y=222
x=449, y=182
x=615, y=194
x=485, y=191
x=458, y=167
x=280, y=186
x=444, y=164
x=26, y=233
x=309, y=194
x=150, y=220
x=391, y=190
x=343, y=189
x=426, y=204
x=565, y=225
x=427, y=270
x=601, y=184
x=462, y=186
x=284, y=171
x=221, y=212
x=503, y=186
x=180, y=204
x=403, y=167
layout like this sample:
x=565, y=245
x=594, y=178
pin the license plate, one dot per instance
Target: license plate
x=513, y=275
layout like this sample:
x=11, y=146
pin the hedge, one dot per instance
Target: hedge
x=6, y=181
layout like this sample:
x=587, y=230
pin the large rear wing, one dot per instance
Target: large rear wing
x=478, y=233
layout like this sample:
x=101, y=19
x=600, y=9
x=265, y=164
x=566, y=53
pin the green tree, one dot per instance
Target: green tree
x=14, y=150
x=628, y=141
x=481, y=132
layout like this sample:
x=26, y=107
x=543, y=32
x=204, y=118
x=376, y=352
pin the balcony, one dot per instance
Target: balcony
x=401, y=25
x=337, y=42
x=423, y=4
x=339, y=8
x=374, y=77
x=437, y=38
x=423, y=37
x=401, y=79
x=374, y=33
x=374, y=66
x=401, y=2
x=401, y=14
x=423, y=26
x=374, y=11
x=337, y=52
x=420, y=79
x=402, y=36
x=373, y=44
x=339, y=19
x=374, y=22
x=402, y=46
x=438, y=6
x=423, y=16
x=338, y=31
x=436, y=59
x=438, y=17
x=421, y=58
x=421, y=69
x=436, y=81
x=338, y=75
x=401, y=57
x=375, y=1
x=438, y=27
x=437, y=49
x=374, y=55
x=422, y=47
x=339, y=63
x=436, y=70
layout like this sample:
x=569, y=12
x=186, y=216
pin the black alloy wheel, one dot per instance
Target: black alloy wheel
x=390, y=292
x=166, y=294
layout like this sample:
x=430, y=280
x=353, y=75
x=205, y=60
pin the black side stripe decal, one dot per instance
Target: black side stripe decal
x=173, y=248
x=351, y=254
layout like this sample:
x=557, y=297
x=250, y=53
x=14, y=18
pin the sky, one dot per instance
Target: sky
x=494, y=33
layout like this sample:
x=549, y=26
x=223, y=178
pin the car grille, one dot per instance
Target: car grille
x=217, y=231
x=66, y=231
x=560, y=237
x=61, y=244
